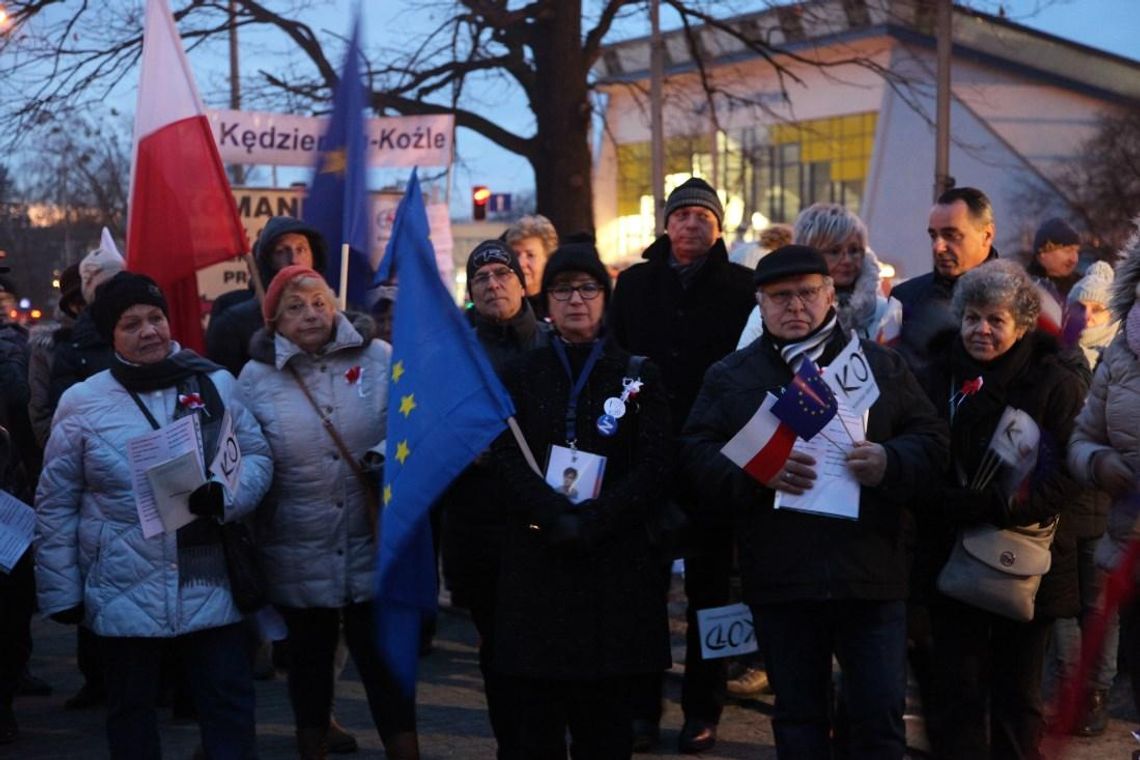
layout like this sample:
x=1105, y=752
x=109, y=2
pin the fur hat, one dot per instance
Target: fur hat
x=100, y=265
x=121, y=292
x=695, y=192
x=1127, y=282
x=1095, y=286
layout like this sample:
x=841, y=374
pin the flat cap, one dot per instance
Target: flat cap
x=790, y=261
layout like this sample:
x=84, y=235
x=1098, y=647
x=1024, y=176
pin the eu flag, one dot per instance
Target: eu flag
x=337, y=204
x=808, y=404
x=445, y=406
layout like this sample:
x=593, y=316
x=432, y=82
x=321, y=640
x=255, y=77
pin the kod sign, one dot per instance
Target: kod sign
x=260, y=137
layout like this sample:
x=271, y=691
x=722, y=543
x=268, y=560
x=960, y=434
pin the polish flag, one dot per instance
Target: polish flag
x=182, y=213
x=762, y=445
x=1052, y=316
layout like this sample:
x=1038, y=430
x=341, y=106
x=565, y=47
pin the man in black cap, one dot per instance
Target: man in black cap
x=684, y=308
x=822, y=586
x=1056, y=251
x=474, y=506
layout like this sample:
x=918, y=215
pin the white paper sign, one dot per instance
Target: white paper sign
x=17, y=526
x=261, y=137
x=226, y=466
x=154, y=448
x=1016, y=440
x=835, y=492
x=726, y=631
x=172, y=482
x=850, y=377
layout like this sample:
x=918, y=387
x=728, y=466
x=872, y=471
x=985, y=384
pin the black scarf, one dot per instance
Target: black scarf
x=200, y=557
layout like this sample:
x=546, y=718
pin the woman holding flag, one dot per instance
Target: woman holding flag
x=320, y=391
x=999, y=381
x=580, y=610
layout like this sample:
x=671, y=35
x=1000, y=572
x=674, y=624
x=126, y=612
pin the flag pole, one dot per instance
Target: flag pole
x=528, y=455
x=254, y=276
x=343, y=276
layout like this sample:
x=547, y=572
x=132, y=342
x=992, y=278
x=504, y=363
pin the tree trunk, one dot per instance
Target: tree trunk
x=561, y=155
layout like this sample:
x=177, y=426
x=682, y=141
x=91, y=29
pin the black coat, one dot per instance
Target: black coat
x=795, y=556
x=580, y=596
x=683, y=330
x=78, y=353
x=927, y=313
x=1034, y=377
x=474, y=506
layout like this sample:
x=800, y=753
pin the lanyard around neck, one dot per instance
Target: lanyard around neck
x=577, y=385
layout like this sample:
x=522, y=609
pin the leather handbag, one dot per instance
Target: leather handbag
x=999, y=569
x=248, y=584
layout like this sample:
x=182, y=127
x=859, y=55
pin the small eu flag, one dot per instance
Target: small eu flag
x=808, y=404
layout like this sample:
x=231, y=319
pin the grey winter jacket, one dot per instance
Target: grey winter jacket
x=314, y=532
x=90, y=544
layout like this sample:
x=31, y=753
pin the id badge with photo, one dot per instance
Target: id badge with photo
x=575, y=473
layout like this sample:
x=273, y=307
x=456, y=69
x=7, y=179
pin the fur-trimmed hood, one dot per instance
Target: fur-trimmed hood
x=857, y=309
x=1127, y=276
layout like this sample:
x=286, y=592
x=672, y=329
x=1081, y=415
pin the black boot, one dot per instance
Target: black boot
x=311, y=743
x=1095, y=720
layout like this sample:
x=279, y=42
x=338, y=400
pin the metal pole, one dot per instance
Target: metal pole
x=656, y=125
x=944, y=34
x=237, y=170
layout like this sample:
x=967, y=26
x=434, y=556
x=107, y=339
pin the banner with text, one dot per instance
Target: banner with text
x=260, y=137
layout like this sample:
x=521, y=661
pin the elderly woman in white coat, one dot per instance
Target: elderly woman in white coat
x=139, y=589
x=320, y=391
x=841, y=237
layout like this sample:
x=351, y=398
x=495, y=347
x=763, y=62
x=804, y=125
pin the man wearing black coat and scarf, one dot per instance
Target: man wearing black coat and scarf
x=820, y=586
x=684, y=307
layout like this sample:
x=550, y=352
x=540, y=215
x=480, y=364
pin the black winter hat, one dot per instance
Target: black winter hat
x=1055, y=231
x=121, y=292
x=577, y=256
x=71, y=289
x=275, y=228
x=695, y=192
x=493, y=252
x=790, y=261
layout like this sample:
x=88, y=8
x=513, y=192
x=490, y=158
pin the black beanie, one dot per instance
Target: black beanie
x=1057, y=232
x=493, y=252
x=577, y=256
x=695, y=192
x=121, y=292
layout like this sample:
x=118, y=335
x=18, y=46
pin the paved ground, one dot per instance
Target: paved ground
x=452, y=720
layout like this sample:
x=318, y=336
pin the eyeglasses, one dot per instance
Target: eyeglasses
x=588, y=290
x=500, y=276
x=852, y=252
x=783, y=298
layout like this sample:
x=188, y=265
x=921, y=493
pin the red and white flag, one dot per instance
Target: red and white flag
x=182, y=214
x=1052, y=316
x=762, y=445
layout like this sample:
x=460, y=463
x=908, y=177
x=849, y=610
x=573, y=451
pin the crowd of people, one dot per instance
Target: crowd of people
x=1004, y=413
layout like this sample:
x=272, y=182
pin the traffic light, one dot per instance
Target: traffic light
x=479, y=197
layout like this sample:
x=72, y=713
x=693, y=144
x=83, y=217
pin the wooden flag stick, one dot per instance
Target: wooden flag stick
x=254, y=276
x=523, y=446
x=343, y=276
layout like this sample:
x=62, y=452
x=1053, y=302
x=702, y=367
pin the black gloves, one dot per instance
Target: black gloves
x=208, y=500
x=71, y=616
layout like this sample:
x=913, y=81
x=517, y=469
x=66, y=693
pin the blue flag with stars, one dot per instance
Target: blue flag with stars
x=337, y=203
x=445, y=407
x=807, y=404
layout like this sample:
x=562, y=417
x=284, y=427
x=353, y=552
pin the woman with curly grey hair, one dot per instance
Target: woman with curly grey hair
x=993, y=362
x=533, y=238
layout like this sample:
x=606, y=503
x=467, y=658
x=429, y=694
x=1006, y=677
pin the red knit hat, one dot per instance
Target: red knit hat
x=277, y=288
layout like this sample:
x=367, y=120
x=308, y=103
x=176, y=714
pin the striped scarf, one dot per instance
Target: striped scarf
x=811, y=346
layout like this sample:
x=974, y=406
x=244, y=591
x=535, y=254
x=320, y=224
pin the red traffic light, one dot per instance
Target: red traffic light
x=480, y=194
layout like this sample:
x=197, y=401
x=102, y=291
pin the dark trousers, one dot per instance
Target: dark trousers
x=220, y=679
x=597, y=714
x=89, y=657
x=983, y=659
x=313, y=634
x=868, y=638
x=500, y=710
x=708, y=581
x=17, y=602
